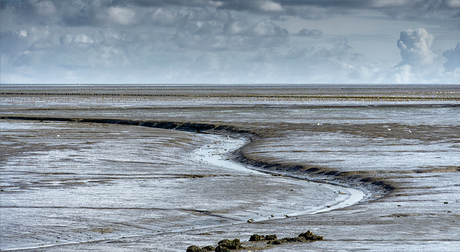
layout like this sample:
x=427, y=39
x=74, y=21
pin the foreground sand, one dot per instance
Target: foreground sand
x=402, y=151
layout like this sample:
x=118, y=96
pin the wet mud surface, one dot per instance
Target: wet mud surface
x=400, y=150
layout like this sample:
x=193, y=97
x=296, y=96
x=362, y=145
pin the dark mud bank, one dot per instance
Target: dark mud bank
x=372, y=187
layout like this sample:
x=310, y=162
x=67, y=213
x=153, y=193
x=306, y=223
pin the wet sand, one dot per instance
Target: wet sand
x=399, y=146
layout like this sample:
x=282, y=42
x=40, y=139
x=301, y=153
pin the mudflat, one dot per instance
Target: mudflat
x=116, y=168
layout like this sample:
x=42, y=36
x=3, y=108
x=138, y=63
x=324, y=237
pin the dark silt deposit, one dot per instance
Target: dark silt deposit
x=111, y=168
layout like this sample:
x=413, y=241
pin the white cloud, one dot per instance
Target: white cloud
x=403, y=75
x=271, y=6
x=266, y=29
x=415, y=46
x=369, y=73
x=79, y=38
x=109, y=36
x=23, y=33
x=454, y=58
x=120, y=15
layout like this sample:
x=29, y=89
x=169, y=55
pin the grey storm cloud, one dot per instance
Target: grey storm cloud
x=126, y=12
x=400, y=8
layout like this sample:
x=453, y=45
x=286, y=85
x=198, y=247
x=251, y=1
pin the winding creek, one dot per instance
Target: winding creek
x=218, y=152
x=84, y=198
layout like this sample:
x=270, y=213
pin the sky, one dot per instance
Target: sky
x=230, y=41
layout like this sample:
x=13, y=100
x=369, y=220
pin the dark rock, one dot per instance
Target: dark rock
x=207, y=248
x=256, y=237
x=294, y=239
x=222, y=249
x=304, y=237
x=276, y=242
x=230, y=244
x=193, y=248
x=270, y=237
x=235, y=244
x=306, y=234
x=309, y=236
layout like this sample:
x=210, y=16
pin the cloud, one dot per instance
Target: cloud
x=310, y=33
x=270, y=6
x=398, y=9
x=336, y=50
x=210, y=41
x=415, y=46
x=120, y=15
x=266, y=29
x=166, y=16
x=79, y=38
x=42, y=44
x=202, y=29
x=43, y=8
x=403, y=75
x=418, y=9
x=128, y=12
x=13, y=46
x=189, y=3
x=420, y=64
x=314, y=11
x=308, y=64
x=453, y=56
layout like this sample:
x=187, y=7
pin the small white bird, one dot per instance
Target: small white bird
x=228, y=137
